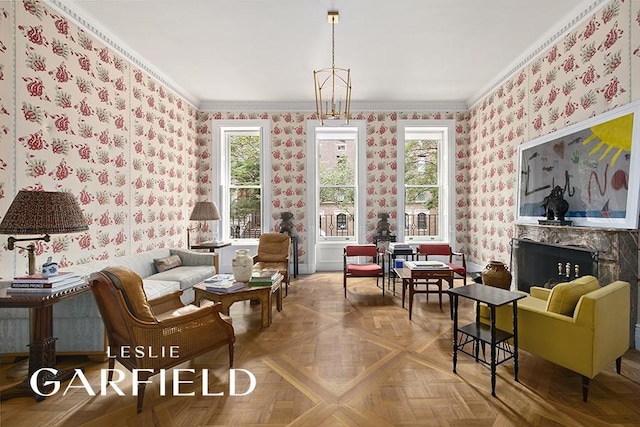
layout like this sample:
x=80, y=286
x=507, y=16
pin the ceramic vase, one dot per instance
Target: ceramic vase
x=496, y=274
x=242, y=265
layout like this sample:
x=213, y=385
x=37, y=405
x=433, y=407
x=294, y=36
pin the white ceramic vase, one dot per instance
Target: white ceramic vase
x=242, y=265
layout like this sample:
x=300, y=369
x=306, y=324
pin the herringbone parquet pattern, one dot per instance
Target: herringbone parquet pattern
x=331, y=361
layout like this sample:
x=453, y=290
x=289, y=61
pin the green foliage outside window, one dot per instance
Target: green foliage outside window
x=421, y=174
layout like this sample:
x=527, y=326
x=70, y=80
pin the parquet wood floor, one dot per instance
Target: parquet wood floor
x=359, y=361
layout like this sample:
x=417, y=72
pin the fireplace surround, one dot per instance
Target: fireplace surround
x=617, y=254
x=535, y=263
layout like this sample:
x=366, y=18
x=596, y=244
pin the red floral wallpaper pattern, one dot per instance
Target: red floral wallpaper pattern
x=138, y=156
x=584, y=74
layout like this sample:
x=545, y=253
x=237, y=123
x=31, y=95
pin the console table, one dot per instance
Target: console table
x=476, y=332
x=42, y=348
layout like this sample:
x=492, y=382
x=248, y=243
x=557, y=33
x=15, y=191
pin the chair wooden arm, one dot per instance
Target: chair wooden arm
x=166, y=303
x=460, y=254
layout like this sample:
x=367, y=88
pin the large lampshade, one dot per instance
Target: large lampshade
x=41, y=212
x=204, y=211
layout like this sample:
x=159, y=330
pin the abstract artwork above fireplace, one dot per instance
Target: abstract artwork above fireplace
x=597, y=164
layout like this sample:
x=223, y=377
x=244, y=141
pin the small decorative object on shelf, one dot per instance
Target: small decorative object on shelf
x=49, y=268
x=496, y=274
x=555, y=208
x=382, y=227
x=242, y=266
x=286, y=226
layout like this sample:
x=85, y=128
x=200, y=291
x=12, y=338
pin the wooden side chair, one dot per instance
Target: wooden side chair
x=362, y=261
x=133, y=322
x=457, y=264
x=273, y=254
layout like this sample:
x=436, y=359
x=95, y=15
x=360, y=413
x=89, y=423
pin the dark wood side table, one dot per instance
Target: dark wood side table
x=42, y=348
x=427, y=277
x=262, y=293
x=211, y=247
x=476, y=332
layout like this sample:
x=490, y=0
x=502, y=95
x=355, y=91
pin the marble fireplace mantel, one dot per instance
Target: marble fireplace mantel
x=617, y=255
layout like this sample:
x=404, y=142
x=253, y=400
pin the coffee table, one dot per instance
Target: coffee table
x=428, y=277
x=264, y=294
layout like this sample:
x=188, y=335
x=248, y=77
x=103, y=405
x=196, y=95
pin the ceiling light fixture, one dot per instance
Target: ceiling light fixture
x=333, y=85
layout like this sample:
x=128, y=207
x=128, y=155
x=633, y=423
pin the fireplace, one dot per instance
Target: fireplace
x=617, y=251
x=545, y=264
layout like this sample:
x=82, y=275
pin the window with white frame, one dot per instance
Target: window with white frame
x=425, y=177
x=337, y=182
x=242, y=181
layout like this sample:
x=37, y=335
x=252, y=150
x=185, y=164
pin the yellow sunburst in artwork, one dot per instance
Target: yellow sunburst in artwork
x=615, y=133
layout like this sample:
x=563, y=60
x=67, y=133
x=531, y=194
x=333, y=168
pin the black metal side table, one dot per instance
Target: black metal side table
x=476, y=332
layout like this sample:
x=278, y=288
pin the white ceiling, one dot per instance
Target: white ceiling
x=265, y=51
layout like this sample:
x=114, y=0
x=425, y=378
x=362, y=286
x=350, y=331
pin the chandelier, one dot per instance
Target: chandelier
x=332, y=85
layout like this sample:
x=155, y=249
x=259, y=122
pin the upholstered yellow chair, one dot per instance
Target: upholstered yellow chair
x=133, y=322
x=578, y=325
x=273, y=254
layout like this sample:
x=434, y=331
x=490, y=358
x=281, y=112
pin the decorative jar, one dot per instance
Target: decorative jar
x=242, y=266
x=496, y=274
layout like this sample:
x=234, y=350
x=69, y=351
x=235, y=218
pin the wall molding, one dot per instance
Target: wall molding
x=105, y=36
x=545, y=41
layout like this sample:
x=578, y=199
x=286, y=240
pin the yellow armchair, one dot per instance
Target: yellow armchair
x=584, y=339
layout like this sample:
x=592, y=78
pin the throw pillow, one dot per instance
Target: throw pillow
x=564, y=296
x=130, y=284
x=167, y=263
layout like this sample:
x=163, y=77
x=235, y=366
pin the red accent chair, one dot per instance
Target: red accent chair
x=362, y=261
x=444, y=250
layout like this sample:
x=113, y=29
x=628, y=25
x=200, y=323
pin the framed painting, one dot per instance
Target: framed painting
x=596, y=165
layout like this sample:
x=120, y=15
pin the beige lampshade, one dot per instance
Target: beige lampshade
x=204, y=211
x=43, y=212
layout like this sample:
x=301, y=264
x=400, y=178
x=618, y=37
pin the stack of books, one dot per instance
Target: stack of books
x=425, y=265
x=37, y=283
x=264, y=277
x=400, y=248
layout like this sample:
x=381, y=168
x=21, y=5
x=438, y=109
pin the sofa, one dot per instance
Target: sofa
x=578, y=325
x=77, y=323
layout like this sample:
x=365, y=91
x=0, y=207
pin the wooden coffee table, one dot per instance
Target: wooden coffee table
x=264, y=294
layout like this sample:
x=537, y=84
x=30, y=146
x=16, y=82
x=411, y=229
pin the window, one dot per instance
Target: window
x=425, y=176
x=243, y=151
x=336, y=172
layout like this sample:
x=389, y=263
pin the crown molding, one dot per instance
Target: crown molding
x=311, y=106
x=549, y=38
x=76, y=13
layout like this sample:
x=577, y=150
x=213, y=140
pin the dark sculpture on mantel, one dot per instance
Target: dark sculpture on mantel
x=555, y=208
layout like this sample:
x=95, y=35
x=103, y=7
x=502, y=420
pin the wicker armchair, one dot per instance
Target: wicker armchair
x=131, y=321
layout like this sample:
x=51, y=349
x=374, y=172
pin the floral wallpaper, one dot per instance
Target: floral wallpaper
x=89, y=122
x=78, y=116
x=585, y=73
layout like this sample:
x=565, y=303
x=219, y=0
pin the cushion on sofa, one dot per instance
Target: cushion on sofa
x=130, y=284
x=565, y=296
x=167, y=263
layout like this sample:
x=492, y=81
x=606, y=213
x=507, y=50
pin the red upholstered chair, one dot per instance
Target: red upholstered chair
x=363, y=261
x=444, y=250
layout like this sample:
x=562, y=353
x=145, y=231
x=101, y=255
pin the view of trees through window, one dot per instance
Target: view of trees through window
x=244, y=189
x=337, y=186
x=422, y=185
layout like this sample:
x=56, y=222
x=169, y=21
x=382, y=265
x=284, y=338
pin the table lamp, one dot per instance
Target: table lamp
x=203, y=211
x=41, y=212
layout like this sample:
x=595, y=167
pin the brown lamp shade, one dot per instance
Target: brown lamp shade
x=43, y=212
x=204, y=211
